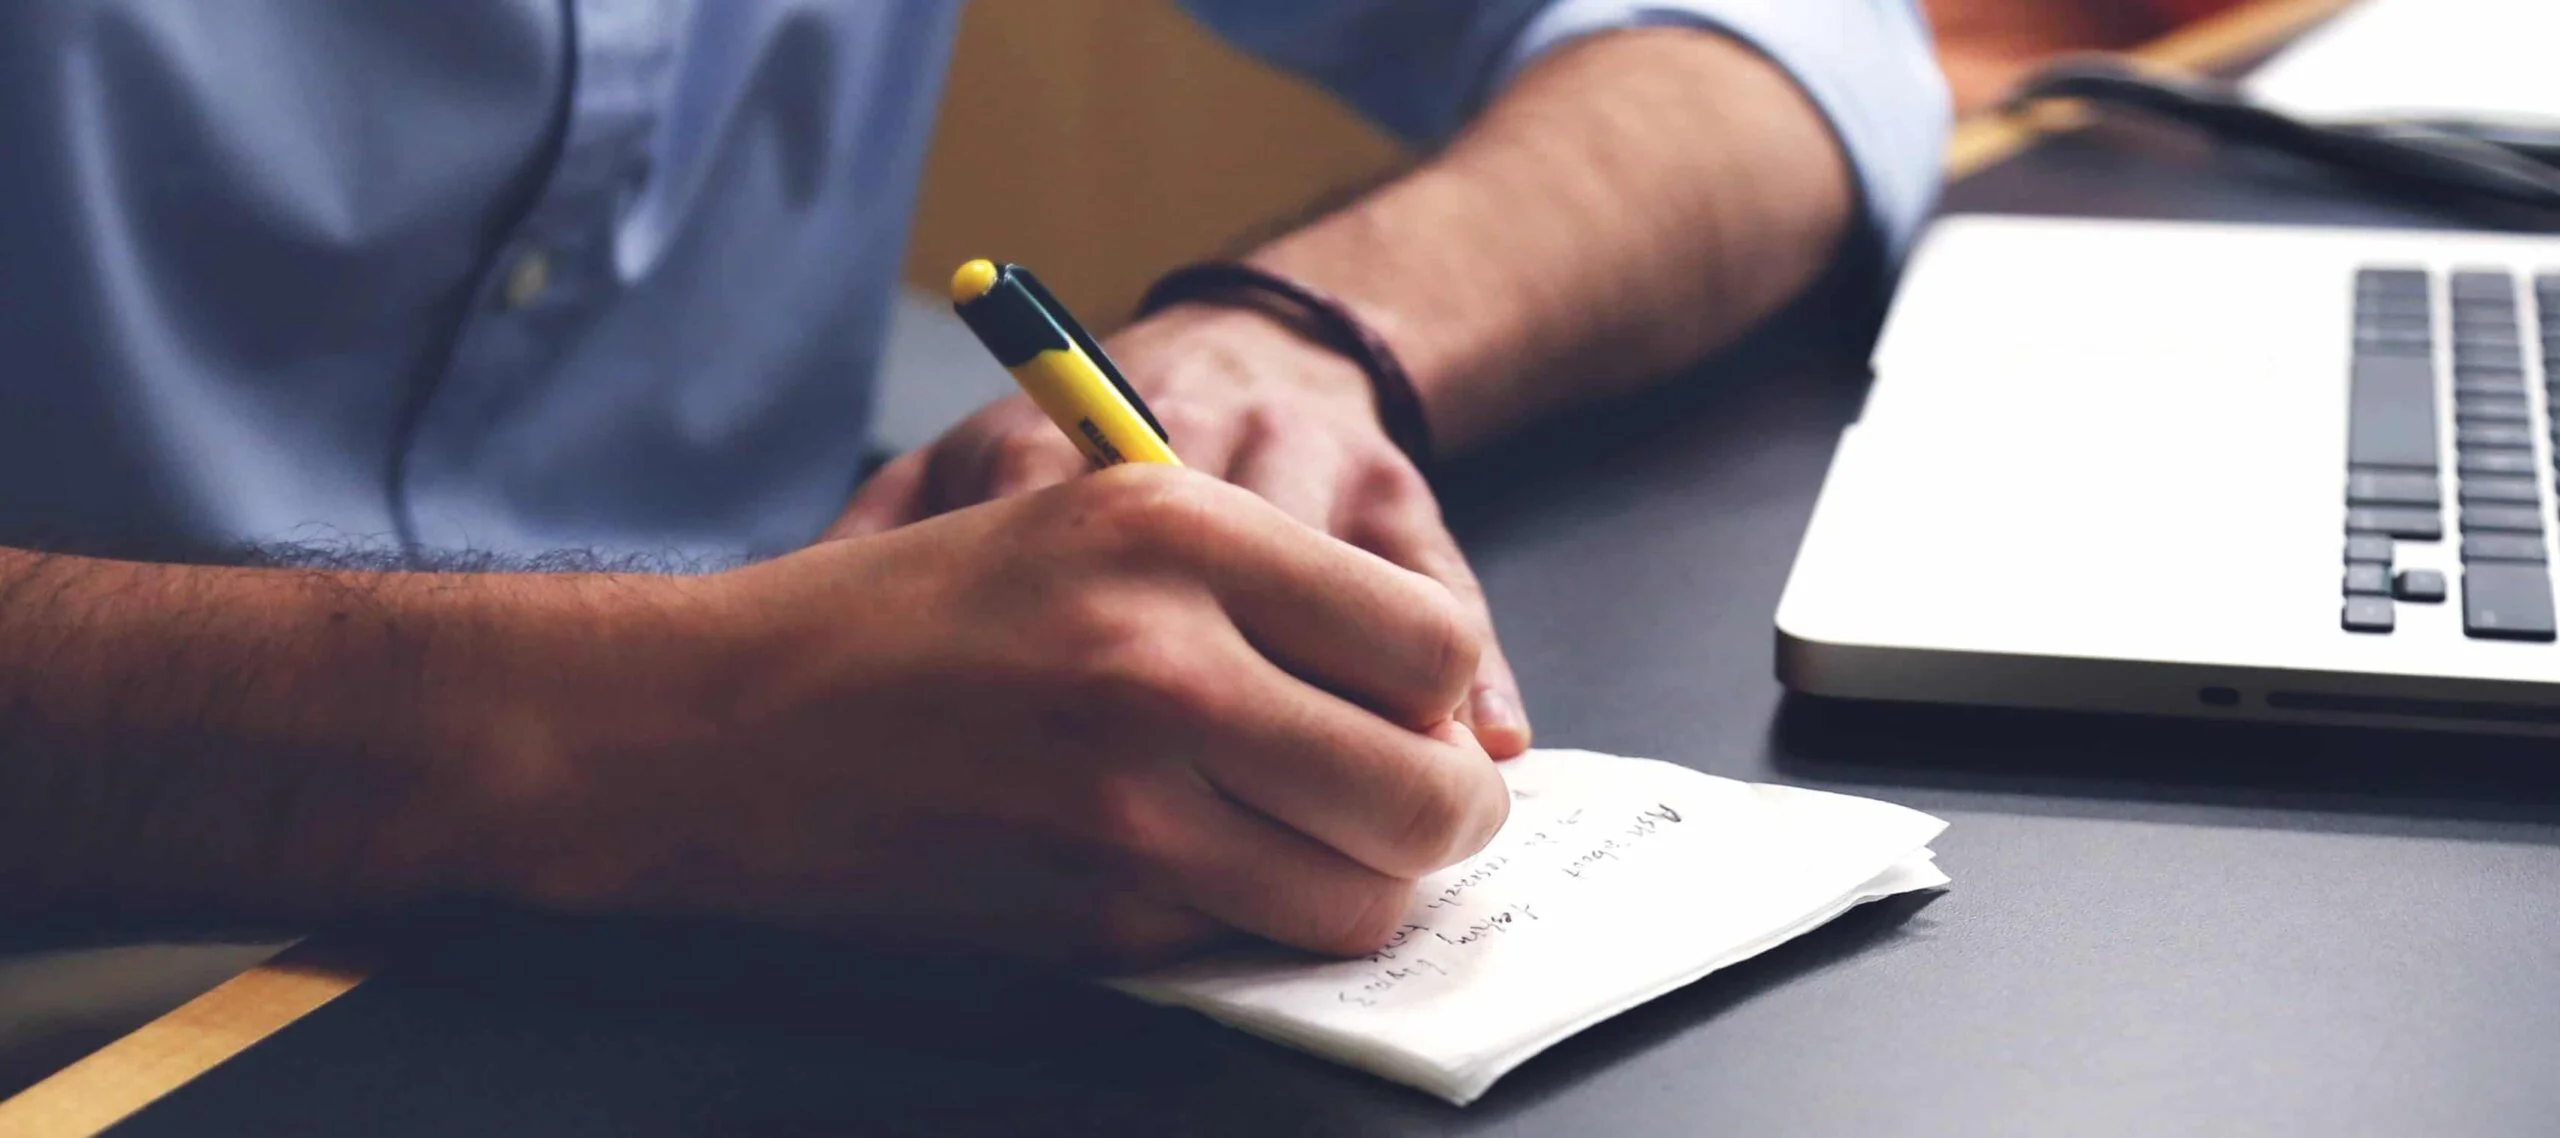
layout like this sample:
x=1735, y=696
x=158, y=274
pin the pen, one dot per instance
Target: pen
x=1058, y=365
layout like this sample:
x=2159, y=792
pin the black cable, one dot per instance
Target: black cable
x=2437, y=158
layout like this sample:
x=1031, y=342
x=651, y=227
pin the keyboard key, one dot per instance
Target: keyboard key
x=2483, y=490
x=2510, y=519
x=2425, y=350
x=2479, y=381
x=2424, y=586
x=2478, y=283
x=2397, y=521
x=2392, y=488
x=2491, y=409
x=2392, y=277
x=2501, y=547
x=2494, y=435
x=2366, y=614
x=2392, y=413
x=2372, y=547
x=2409, y=312
x=2495, y=460
x=2368, y=580
x=2506, y=358
x=2414, y=312
x=2394, y=333
x=2507, y=601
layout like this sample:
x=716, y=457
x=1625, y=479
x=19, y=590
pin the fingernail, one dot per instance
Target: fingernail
x=1500, y=724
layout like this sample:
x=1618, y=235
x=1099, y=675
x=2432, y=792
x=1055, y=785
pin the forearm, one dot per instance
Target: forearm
x=1626, y=206
x=267, y=741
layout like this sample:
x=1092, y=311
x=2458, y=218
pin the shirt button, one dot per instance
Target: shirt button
x=527, y=278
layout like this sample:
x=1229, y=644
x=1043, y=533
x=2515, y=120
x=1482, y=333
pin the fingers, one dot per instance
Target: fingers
x=1259, y=876
x=1302, y=475
x=1402, y=803
x=1018, y=462
x=1010, y=448
x=1338, y=616
x=893, y=497
x=1132, y=931
x=1395, y=516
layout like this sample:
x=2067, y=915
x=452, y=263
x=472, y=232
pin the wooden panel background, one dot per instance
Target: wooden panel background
x=1103, y=141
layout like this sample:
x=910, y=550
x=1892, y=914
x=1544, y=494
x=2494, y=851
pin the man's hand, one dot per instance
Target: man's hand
x=1250, y=402
x=1104, y=722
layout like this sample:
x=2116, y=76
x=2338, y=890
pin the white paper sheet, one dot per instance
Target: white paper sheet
x=1615, y=880
x=2477, y=59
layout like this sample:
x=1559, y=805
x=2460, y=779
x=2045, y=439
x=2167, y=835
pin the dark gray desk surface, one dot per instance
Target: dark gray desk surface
x=2155, y=929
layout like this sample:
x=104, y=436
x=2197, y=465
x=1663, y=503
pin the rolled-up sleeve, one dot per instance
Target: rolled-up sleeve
x=1421, y=67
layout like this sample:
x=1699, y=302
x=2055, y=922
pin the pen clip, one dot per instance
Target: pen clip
x=1084, y=342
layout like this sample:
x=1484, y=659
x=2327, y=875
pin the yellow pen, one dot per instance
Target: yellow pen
x=1060, y=366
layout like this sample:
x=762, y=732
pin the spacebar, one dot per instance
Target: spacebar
x=2506, y=601
x=2392, y=413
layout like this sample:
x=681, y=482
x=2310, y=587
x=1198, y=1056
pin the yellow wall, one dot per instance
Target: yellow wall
x=1101, y=142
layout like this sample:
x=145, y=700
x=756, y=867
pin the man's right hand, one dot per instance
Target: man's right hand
x=1104, y=722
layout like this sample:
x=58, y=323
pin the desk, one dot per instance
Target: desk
x=2155, y=928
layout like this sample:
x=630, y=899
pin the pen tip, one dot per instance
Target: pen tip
x=973, y=280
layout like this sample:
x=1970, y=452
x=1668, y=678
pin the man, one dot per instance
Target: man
x=421, y=297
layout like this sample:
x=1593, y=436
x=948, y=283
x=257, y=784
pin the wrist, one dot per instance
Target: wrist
x=1318, y=319
x=1199, y=342
x=597, y=684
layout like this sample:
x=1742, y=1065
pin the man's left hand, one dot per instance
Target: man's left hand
x=1249, y=401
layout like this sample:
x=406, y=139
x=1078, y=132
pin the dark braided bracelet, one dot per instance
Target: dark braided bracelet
x=1320, y=318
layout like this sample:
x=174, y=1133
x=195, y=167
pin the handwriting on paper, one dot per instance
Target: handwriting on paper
x=1497, y=894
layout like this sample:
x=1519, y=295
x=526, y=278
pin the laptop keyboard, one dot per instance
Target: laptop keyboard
x=2395, y=489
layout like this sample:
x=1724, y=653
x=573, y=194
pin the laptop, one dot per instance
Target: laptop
x=2259, y=472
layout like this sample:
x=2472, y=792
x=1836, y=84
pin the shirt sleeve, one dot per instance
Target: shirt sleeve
x=1420, y=67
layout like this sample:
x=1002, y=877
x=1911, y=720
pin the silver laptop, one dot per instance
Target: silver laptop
x=2236, y=471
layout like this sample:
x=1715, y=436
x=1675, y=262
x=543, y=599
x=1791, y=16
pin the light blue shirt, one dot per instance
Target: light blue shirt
x=524, y=275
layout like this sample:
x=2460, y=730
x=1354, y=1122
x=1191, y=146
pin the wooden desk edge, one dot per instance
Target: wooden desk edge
x=2206, y=45
x=121, y=1078
x=159, y=1057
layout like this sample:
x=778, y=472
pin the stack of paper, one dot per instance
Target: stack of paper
x=1615, y=881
